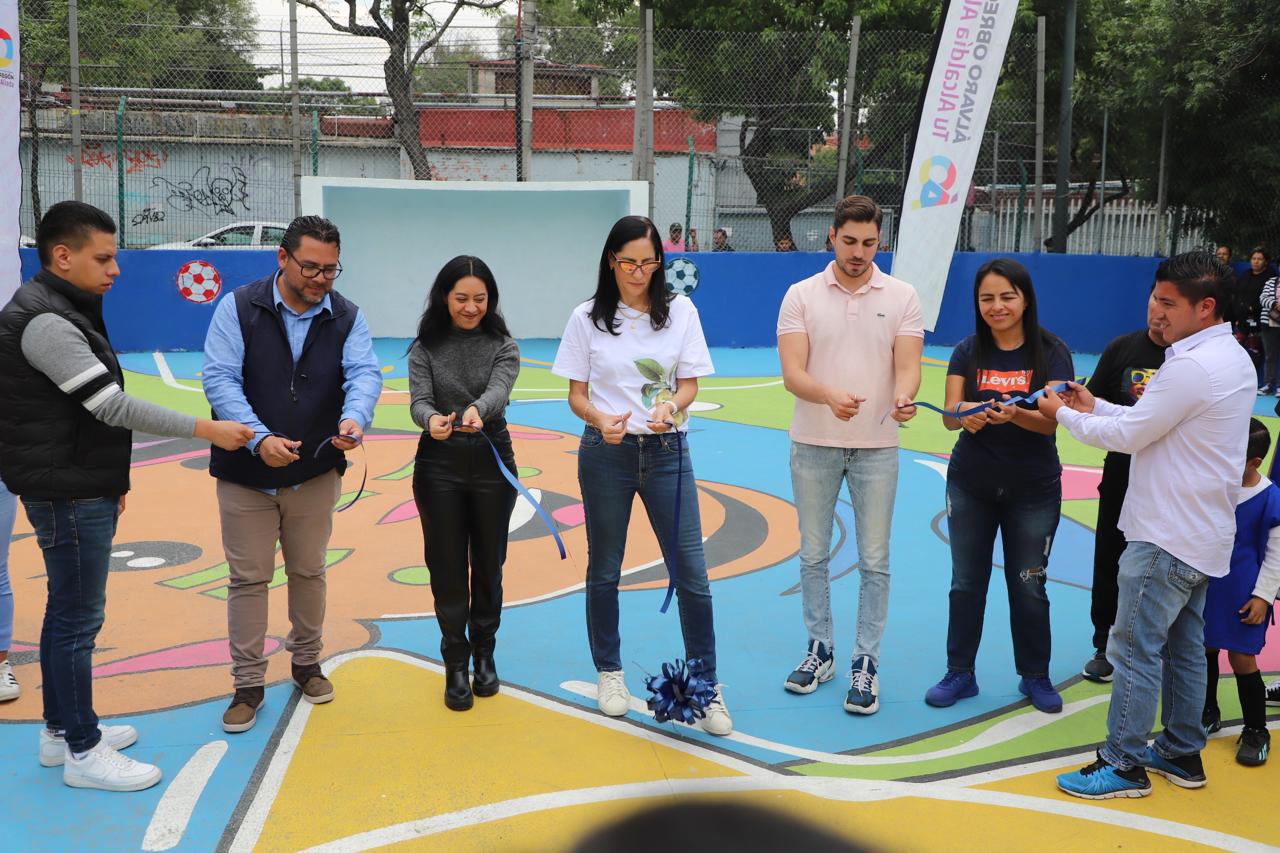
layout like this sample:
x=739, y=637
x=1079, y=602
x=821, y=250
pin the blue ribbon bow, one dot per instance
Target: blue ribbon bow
x=519, y=487
x=1029, y=398
x=681, y=693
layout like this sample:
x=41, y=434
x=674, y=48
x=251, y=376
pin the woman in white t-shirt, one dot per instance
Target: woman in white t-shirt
x=633, y=355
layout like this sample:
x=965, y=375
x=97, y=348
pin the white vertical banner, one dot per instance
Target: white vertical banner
x=10, y=171
x=953, y=115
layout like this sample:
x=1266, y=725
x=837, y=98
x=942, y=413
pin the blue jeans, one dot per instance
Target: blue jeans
x=872, y=476
x=8, y=511
x=610, y=476
x=1027, y=518
x=75, y=536
x=1157, y=649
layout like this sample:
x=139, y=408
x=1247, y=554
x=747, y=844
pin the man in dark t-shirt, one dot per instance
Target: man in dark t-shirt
x=1126, y=367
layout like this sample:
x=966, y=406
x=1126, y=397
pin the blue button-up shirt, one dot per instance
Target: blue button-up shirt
x=224, y=364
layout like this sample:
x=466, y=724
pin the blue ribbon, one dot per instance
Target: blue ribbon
x=681, y=693
x=673, y=567
x=364, y=478
x=519, y=487
x=1029, y=398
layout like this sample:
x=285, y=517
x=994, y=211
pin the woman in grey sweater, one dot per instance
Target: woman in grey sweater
x=462, y=367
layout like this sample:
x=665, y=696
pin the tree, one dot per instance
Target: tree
x=394, y=22
x=199, y=44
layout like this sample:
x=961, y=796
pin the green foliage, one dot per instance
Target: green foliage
x=188, y=44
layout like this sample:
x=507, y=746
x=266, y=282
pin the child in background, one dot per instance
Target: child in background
x=1237, y=607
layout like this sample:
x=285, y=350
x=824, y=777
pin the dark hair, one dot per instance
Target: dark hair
x=1199, y=276
x=1038, y=341
x=436, y=322
x=676, y=226
x=1259, y=440
x=69, y=223
x=714, y=825
x=857, y=208
x=1259, y=250
x=604, y=311
x=315, y=227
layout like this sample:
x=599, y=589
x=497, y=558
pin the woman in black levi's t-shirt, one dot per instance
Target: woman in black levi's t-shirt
x=1004, y=477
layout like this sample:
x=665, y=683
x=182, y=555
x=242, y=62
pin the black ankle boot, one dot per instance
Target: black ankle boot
x=486, y=681
x=457, y=688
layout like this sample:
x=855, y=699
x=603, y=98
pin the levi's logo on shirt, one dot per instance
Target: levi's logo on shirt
x=1005, y=381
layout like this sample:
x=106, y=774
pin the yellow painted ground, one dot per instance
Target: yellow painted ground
x=387, y=750
x=392, y=753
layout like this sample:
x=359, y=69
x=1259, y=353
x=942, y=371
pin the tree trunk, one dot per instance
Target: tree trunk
x=405, y=116
x=33, y=88
x=770, y=178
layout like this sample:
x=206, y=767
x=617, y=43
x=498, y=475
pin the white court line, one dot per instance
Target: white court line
x=1001, y=732
x=255, y=817
x=535, y=599
x=846, y=790
x=166, y=375
x=173, y=812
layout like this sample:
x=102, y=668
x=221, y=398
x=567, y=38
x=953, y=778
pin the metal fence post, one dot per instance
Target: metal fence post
x=1037, y=229
x=77, y=147
x=642, y=164
x=120, y=169
x=1162, y=201
x=315, y=142
x=295, y=120
x=525, y=60
x=846, y=109
x=1062, y=193
x=688, y=197
x=1102, y=198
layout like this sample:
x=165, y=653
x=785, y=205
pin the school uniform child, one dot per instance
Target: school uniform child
x=1237, y=607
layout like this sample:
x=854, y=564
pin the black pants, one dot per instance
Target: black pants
x=1108, y=545
x=465, y=506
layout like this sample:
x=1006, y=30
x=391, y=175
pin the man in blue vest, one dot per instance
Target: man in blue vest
x=291, y=358
x=65, y=442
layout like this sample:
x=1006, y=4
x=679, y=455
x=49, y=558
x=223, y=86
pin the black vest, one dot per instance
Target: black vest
x=301, y=401
x=50, y=445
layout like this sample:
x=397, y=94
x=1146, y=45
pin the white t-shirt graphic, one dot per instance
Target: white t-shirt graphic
x=637, y=368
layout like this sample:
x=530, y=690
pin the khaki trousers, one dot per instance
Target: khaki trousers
x=300, y=519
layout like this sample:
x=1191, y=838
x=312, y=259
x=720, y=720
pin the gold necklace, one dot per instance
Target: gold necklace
x=623, y=311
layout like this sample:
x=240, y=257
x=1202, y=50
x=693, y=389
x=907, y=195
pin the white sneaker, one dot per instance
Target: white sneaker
x=612, y=696
x=717, y=721
x=9, y=689
x=106, y=769
x=53, y=748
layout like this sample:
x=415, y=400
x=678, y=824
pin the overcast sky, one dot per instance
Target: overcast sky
x=322, y=52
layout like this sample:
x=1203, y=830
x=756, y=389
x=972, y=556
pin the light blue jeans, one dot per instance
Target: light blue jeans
x=1157, y=648
x=816, y=476
x=8, y=513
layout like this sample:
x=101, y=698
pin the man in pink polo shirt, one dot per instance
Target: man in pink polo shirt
x=850, y=340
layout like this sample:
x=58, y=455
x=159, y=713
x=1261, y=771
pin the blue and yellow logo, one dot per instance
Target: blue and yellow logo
x=6, y=49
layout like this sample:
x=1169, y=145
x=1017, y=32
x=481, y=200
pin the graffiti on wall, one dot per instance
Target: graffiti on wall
x=207, y=194
x=95, y=155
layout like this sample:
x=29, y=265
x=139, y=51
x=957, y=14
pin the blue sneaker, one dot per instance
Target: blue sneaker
x=1185, y=771
x=1102, y=781
x=816, y=668
x=953, y=686
x=1044, y=696
x=864, y=689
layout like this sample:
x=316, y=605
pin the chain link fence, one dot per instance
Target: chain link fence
x=188, y=130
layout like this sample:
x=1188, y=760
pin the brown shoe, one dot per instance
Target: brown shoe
x=315, y=688
x=243, y=711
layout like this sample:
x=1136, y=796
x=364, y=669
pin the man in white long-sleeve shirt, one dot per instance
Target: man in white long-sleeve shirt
x=1187, y=435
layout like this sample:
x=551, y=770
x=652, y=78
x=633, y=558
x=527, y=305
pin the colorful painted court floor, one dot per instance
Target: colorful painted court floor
x=387, y=765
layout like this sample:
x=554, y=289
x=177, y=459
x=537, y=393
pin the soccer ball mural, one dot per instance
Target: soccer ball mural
x=682, y=276
x=199, y=282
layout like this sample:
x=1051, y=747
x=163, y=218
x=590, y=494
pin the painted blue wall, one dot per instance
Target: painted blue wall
x=1086, y=299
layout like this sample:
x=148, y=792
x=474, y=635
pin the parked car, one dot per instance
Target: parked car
x=240, y=235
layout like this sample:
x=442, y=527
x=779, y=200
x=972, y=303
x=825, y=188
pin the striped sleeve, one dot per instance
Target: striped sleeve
x=56, y=348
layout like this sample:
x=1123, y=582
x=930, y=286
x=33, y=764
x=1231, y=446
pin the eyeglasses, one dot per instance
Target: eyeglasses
x=632, y=266
x=315, y=270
